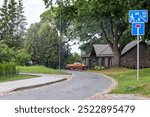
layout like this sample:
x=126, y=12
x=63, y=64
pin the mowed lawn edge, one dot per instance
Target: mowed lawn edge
x=39, y=69
x=16, y=77
x=30, y=69
x=127, y=83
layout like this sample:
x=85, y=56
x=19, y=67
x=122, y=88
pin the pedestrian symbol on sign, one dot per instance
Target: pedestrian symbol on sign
x=140, y=16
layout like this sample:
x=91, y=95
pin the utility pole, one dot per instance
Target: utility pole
x=60, y=28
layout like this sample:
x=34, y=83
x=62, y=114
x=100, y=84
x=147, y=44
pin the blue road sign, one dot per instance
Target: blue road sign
x=138, y=29
x=138, y=16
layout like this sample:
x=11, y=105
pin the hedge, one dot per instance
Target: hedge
x=7, y=69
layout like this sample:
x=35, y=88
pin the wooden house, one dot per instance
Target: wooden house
x=129, y=55
x=102, y=55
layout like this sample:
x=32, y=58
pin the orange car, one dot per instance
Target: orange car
x=76, y=65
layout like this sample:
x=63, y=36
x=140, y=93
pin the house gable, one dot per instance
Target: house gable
x=102, y=50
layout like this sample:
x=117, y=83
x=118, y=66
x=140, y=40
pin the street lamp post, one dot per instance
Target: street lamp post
x=60, y=28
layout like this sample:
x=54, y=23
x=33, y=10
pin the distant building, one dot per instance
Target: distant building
x=102, y=55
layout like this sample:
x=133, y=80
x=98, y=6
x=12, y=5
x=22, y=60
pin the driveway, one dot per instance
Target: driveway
x=81, y=86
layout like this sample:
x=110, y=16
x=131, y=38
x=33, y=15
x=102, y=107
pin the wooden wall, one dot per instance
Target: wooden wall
x=129, y=59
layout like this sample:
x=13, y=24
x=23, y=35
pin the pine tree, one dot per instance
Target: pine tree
x=12, y=23
x=20, y=25
x=4, y=19
x=12, y=10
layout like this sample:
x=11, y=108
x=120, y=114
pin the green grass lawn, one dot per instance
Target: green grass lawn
x=30, y=69
x=15, y=77
x=39, y=69
x=127, y=83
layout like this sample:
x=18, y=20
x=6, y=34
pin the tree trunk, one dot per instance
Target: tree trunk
x=116, y=55
x=113, y=43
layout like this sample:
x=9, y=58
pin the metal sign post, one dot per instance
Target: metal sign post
x=138, y=18
x=138, y=54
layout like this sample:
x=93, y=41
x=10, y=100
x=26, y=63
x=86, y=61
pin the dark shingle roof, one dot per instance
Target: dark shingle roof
x=129, y=46
x=102, y=50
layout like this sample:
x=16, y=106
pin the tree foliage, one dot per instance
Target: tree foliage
x=75, y=57
x=22, y=57
x=6, y=54
x=110, y=20
x=4, y=19
x=12, y=23
x=42, y=44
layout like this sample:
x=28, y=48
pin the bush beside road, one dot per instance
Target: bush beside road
x=7, y=69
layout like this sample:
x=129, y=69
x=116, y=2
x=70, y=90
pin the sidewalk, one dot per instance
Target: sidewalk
x=39, y=80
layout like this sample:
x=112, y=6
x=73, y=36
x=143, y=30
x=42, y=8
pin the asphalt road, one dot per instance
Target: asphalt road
x=81, y=86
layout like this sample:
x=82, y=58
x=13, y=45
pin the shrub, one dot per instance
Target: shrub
x=6, y=53
x=22, y=57
x=99, y=68
x=7, y=69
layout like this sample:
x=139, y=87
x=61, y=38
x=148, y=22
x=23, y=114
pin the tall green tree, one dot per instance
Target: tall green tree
x=4, y=19
x=32, y=42
x=21, y=23
x=42, y=43
x=12, y=23
x=61, y=24
x=12, y=5
x=49, y=38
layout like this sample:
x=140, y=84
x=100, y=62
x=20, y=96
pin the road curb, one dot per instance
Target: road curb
x=108, y=90
x=113, y=86
x=35, y=85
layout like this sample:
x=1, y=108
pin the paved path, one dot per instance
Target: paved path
x=81, y=86
x=40, y=80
